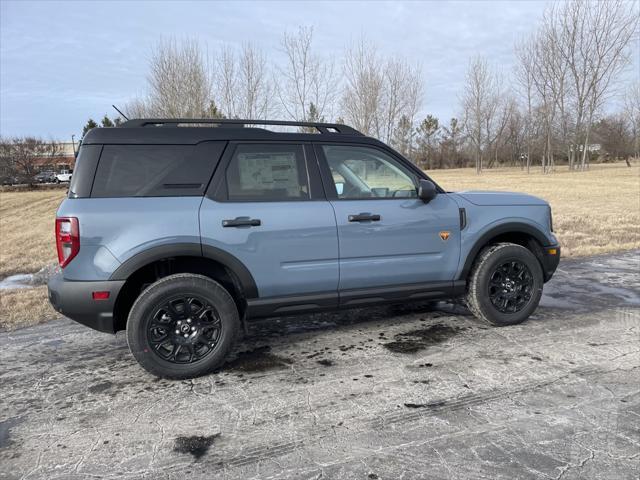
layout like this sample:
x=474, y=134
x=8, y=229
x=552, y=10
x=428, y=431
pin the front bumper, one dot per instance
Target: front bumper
x=550, y=260
x=74, y=299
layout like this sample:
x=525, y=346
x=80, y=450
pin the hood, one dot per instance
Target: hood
x=482, y=198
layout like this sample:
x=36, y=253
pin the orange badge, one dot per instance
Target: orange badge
x=444, y=235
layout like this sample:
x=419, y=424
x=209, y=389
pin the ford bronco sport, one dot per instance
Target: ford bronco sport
x=182, y=230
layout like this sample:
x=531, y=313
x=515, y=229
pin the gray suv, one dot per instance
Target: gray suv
x=183, y=230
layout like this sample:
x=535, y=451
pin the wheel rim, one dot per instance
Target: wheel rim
x=511, y=287
x=184, y=330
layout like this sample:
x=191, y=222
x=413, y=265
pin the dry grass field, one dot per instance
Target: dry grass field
x=594, y=212
x=26, y=230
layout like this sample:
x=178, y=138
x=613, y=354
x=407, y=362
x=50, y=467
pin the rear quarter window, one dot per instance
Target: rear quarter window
x=84, y=171
x=155, y=170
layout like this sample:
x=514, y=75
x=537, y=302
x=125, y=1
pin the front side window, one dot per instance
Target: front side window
x=267, y=173
x=365, y=172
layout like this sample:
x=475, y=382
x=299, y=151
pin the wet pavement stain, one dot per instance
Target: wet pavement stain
x=100, y=387
x=425, y=405
x=5, y=430
x=257, y=360
x=416, y=340
x=196, y=445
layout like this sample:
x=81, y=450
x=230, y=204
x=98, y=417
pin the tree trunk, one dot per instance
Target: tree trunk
x=583, y=163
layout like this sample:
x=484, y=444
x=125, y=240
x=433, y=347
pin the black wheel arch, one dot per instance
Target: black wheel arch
x=513, y=232
x=157, y=262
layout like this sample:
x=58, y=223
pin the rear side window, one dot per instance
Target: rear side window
x=267, y=173
x=85, y=169
x=155, y=170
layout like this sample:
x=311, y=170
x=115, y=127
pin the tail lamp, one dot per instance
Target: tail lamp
x=67, y=239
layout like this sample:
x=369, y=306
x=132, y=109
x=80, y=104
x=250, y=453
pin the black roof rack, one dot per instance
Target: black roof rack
x=175, y=122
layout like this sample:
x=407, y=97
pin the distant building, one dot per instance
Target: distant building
x=592, y=147
x=63, y=159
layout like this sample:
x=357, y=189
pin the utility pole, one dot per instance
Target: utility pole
x=73, y=143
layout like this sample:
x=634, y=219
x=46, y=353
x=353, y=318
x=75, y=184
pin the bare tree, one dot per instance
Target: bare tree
x=243, y=83
x=632, y=115
x=179, y=82
x=21, y=156
x=306, y=80
x=594, y=40
x=505, y=110
x=402, y=92
x=480, y=103
x=525, y=72
x=363, y=90
x=378, y=93
x=549, y=80
x=226, y=81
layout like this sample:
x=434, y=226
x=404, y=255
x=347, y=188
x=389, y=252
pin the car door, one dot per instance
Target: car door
x=387, y=236
x=266, y=207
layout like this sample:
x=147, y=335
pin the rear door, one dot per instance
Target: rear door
x=267, y=208
x=387, y=236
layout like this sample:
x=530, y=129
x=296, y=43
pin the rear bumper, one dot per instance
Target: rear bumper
x=74, y=299
x=550, y=261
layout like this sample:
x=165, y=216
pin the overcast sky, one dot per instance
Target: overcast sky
x=63, y=62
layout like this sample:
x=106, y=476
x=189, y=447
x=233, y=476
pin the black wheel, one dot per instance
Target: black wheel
x=505, y=284
x=182, y=326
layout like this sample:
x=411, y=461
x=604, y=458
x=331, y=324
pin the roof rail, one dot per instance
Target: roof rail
x=174, y=122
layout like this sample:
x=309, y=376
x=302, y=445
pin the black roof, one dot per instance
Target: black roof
x=193, y=130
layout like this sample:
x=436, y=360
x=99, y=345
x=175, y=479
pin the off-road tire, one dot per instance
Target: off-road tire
x=155, y=295
x=477, y=297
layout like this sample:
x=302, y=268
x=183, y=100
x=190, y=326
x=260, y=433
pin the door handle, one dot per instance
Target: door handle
x=364, y=217
x=242, y=222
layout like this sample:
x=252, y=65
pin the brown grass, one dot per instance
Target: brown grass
x=24, y=308
x=26, y=230
x=594, y=212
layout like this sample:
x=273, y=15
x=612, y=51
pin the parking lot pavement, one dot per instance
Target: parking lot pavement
x=389, y=392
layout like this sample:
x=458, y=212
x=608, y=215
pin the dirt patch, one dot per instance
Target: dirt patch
x=196, y=445
x=416, y=340
x=257, y=360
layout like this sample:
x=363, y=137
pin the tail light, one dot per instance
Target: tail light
x=67, y=239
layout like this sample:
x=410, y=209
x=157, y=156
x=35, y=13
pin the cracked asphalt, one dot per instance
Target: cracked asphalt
x=378, y=393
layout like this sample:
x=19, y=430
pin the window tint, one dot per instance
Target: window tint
x=365, y=172
x=155, y=170
x=267, y=173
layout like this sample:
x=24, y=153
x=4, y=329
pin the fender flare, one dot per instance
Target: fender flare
x=141, y=259
x=508, y=227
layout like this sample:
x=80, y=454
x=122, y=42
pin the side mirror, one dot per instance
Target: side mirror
x=427, y=191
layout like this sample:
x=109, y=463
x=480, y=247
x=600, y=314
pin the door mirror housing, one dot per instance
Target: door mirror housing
x=427, y=190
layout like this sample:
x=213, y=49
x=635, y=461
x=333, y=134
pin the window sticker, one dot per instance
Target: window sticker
x=277, y=171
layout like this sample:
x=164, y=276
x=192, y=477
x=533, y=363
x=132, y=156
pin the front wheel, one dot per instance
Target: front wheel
x=505, y=284
x=182, y=326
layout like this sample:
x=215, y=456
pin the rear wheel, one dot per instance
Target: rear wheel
x=182, y=326
x=505, y=284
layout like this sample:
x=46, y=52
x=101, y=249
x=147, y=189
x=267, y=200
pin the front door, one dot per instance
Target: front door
x=268, y=210
x=387, y=236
